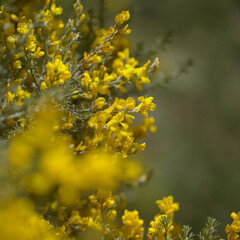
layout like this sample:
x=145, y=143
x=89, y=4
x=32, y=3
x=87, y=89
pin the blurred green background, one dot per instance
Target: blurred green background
x=195, y=154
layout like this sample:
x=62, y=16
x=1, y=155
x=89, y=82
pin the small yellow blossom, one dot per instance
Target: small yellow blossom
x=10, y=96
x=130, y=104
x=146, y=105
x=23, y=26
x=112, y=214
x=99, y=103
x=157, y=229
x=11, y=40
x=17, y=64
x=232, y=230
x=132, y=225
x=75, y=218
x=38, y=53
x=96, y=59
x=167, y=206
x=80, y=147
x=14, y=18
x=102, y=199
x=57, y=73
x=121, y=18
x=116, y=120
x=68, y=124
x=56, y=10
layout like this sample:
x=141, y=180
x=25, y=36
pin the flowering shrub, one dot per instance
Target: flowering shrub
x=68, y=125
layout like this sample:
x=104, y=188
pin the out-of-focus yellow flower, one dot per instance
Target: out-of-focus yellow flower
x=80, y=147
x=56, y=10
x=112, y=214
x=19, y=220
x=23, y=26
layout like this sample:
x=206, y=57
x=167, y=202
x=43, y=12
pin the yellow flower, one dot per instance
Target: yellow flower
x=107, y=48
x=167, y=206
x=14, y=18
x=56, y=10
x=116, y=120
x=98, y=120
x=96, y=59
x=119, y=104
x=157, y=229
x=44, y=86
x=17, y=64
x=89, y=222
x=233, y=229
x=11, y=40
x=75, y=218
x=10, y=96
x=112, y=214
x=57, y=73
x=80, y=147
x=20, y=154
x=17, y=216
x=86, y=80
x=99, y=102
x=130, y=104
x=146, y=105
x=142, y=75
x=20, y=95
x=22, y=122
x=132, y=225
x=128, y=72
x=69, y=125
x=124, y=55
x=38, y=53
x=121, y=18
x=22, y=26
x=102, y=199
x=125, y=30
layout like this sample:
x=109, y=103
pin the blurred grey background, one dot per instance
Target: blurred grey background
x=195, y=154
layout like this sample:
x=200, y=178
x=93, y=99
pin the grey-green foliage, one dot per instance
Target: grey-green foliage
x=167, y=223
x=186, y=233
x=209, y=232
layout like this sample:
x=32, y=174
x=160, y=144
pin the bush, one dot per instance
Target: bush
x=67, y=120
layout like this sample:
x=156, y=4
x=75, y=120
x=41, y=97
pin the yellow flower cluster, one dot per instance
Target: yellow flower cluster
x=113, y=125
x=132, y=226
x=42, y=60
x=167, y=206
x=19, y=220
x=67, y=124
x=233, y=229
x=162, y=226
x=18, y=96
x=122, y=17
x=59, y=167
x=57, y=74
